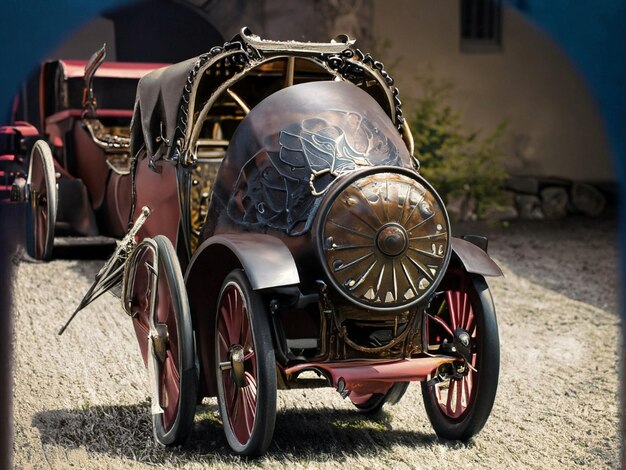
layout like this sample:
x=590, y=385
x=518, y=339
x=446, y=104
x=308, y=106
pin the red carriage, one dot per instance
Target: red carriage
x=73, y=168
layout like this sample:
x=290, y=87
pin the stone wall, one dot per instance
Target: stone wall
x=536, y=198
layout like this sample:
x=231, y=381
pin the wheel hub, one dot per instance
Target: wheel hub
x=463, y=343
x=460, y=346
x=392, y=240
x=160, y=340
x=236, y=358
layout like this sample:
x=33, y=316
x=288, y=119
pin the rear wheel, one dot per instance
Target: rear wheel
x=374, y=404
x=245, y=368
x=41, y=212
x=165, y=336
x=460, y=400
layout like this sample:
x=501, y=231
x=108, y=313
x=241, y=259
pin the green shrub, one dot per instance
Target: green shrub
x=456, y=162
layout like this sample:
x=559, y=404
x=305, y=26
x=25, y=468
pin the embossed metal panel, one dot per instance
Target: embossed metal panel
x=289, y=150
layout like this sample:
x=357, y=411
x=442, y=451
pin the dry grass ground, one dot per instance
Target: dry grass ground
x=80, y=400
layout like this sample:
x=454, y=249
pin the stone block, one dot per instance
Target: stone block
x=587, y=199
x=529, y=207
x=554, y=201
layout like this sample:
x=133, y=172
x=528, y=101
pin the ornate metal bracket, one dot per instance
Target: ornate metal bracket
x=89, y=99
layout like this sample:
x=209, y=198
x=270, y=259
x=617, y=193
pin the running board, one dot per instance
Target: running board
x=364, y=377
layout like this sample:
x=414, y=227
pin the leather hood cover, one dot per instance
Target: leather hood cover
x=158, y=103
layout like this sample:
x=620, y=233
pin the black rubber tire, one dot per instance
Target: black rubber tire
x=41, y=211
x=266, y=383
x=180, y=431
x=170, y=280
x=375, y=404
x=488, y=365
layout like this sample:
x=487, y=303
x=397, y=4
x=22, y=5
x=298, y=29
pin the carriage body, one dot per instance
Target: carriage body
x=291, y=242
x=73, y=148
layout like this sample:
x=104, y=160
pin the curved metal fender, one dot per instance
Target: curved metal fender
x=266, y=260
x=474, y=259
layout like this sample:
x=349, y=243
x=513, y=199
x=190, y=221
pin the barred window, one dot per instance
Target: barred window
x=480, y=25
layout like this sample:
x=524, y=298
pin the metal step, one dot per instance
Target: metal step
x=97, y=240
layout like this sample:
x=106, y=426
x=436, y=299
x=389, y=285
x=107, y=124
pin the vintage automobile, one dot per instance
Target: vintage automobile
x=74, y=172
x=284, y=238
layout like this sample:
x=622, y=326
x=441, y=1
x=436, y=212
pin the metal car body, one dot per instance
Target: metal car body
x=282, y=229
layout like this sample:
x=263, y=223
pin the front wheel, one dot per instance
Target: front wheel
x=459, y=401
x=163, y=325
x=245, y=368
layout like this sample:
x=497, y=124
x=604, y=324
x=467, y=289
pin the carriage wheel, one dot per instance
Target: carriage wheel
x=166, y=340
x=41, y=213
x=246, y=367
x=459, y=406
x=376, y=401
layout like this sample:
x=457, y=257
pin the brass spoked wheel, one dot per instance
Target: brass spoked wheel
x=383, y=238
x=163, y=326
x=41, y=213
x=459, y=400
x=246, y=367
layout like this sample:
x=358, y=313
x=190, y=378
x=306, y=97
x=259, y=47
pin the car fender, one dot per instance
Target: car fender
x=266, y=260
x=267, y=263
x=473, y=258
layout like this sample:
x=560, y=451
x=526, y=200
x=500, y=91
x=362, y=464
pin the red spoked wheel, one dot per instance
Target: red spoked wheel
x=246, y=367
x=162, y=321
x=459, y=399
x=42, y=211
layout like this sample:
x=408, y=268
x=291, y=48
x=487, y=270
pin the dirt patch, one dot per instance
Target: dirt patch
x=81, y=400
